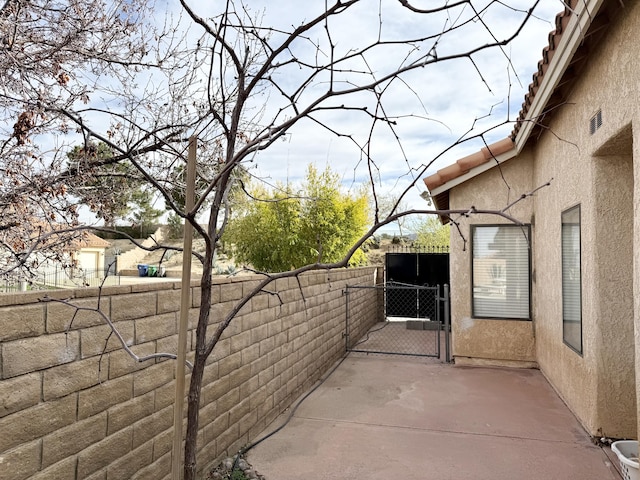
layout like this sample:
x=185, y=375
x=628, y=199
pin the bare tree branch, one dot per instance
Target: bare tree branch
x=143, y=83
x=114, y=331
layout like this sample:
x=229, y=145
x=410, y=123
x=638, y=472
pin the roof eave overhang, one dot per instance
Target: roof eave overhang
x=498, y=159
x=585, y=12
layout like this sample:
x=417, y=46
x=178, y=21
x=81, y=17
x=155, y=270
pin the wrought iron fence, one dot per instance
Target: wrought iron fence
x=418, y=249
x=58, y=277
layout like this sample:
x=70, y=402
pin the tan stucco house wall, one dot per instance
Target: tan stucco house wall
x=596, y=172
x=487, y=341
x=599, y=171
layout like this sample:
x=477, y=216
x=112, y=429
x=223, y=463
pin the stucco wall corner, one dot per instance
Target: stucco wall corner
x=504, y=342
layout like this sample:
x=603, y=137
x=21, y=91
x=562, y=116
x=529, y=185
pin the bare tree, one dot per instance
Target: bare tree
x=55, y=58
x=386, y=205
x=226, y=75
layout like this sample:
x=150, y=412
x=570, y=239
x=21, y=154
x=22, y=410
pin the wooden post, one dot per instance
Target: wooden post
x=178, y=406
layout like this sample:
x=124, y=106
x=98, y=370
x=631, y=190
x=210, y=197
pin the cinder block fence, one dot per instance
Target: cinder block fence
x=74, y=405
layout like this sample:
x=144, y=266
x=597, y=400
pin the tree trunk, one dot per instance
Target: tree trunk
x=190, y=447
x=195, y=387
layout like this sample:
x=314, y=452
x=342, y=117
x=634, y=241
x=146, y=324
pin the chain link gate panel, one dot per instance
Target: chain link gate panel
x=407, y=320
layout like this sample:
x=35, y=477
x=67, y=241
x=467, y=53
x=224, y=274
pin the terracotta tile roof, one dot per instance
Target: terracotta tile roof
x=465, y=164
x=46, y=233
x=488, y=153
x=89, y=240
x=562, y=20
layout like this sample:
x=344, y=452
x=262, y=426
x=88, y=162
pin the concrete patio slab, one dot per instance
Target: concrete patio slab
x=387, y=417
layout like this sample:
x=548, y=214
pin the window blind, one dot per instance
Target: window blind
x=501, y=272
x=571, y=280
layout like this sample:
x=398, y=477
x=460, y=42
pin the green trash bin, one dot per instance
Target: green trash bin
x=153, y=271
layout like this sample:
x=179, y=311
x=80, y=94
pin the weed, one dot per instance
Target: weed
x=238, y=474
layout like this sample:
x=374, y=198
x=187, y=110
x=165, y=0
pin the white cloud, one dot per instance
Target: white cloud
x=445, y=99
x=435, y=105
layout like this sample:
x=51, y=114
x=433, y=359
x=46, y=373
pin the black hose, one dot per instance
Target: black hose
x=366, y=338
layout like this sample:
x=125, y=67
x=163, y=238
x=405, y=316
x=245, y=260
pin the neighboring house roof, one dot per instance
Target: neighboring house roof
x=93, y=241
x=65, y=236
x=579, y=26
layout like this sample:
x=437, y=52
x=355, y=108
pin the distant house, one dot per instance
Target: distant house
x=81, y=264
x=89, y=252
x=561, y=293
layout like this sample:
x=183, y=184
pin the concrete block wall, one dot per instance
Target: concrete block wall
x=75, y=406
x=366, y=308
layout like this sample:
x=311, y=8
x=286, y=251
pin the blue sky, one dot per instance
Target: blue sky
x=434, y=105
x=446, y=99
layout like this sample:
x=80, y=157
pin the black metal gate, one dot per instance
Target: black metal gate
x=417, y=266
x=411, y=266
x=398, y=319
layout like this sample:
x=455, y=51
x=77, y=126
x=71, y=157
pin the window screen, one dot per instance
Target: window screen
x=501, y=272
x=571, y=280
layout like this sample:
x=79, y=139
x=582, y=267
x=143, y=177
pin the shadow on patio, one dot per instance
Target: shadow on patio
x=384, y=417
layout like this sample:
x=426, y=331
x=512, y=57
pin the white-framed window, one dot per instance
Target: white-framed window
x=501, y=271
x=571, y=280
